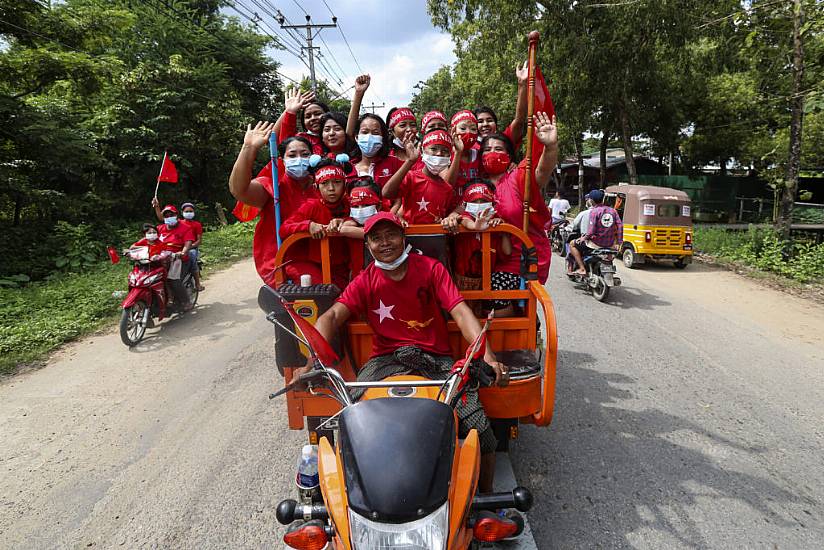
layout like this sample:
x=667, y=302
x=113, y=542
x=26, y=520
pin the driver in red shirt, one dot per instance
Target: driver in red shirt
x=410, y=334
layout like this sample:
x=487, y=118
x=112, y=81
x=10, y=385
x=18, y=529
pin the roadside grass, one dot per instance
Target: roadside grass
x=760, y=250
x=38, y=317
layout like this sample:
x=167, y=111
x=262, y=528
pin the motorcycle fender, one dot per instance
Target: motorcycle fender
x=333, y=489
x=136, y=294
x=608, y=279
x=465, y=469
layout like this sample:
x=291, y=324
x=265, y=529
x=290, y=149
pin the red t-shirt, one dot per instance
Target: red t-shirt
x=469, y=170
x=418, y=163
x=315, y=210
x=381, y=170
x=509, y=193
x=468, y=255
x=408, y=312
x=425, y=199
x=292, y=196
x=195, y=226
x=175, y=237
x=289, y=128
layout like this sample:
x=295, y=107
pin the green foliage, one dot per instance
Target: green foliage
x=762, y=249
x=40, y=316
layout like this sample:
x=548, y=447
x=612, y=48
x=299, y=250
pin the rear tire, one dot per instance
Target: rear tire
x=132, y=325
x=191, y=289
x=629, y=258
x=600, y=291
x=680, y=263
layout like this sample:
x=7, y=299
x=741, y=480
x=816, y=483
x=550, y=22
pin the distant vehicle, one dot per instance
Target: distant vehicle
x=657, y=223
x=601, y=276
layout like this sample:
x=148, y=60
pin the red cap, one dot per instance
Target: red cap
x=381, y=217
x=460, y=116
x=430, y=116
x=363, y=196
x=477, y=191
x=170, y=207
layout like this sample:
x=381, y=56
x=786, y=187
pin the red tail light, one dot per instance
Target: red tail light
x=308, y=537
x=688, y=238
x=648, y=237
x=493, y=529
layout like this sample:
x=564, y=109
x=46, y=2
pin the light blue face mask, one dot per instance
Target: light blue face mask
x=297, y=168
x=392, y=266
x=363, y=213
x=170, y=221
x=369, y=144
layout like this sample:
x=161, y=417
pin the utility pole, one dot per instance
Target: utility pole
x=373, y=107
x=309, y=28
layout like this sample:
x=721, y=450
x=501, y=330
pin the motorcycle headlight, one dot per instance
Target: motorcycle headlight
x=150, y=280
x=428, y=533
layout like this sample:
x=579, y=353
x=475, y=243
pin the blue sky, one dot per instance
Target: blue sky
x=393, y=40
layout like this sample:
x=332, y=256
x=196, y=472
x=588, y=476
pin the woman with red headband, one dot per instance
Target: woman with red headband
x=465, y=125
x=372, y=136
x=434, y=120
x=497, y=151
x=488, y=121
x=321, y=216
x=401, y=122
x=294, y=184
x=426, y=197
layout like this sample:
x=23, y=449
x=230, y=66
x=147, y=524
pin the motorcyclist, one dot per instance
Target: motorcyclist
x=178, y=238
x=410, y=335
x=604, y=230
x=578, y=227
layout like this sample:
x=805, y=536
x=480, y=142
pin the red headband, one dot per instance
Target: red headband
x=330, y=172
x=437, y=137
x=430, y=116
x=477, y=191
x=399, y=116
x=363, y=196
x=461, y=116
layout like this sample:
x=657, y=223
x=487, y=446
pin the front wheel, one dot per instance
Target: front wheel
x=600, y=291
x=133, y=323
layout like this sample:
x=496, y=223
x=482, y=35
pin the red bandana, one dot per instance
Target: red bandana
x=363, y=196
x=437, y=137
x=461, y=116
x=329, y=173
x=477, y=191
x=399, y=116
x=430, y=116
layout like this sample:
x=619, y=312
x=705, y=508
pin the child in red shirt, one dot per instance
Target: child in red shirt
x=425, y=196
x=465, y=125
x=151, y=241
x=364, y=203
x=321, y=217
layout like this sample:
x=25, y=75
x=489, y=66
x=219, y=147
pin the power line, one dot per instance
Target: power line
x=254, y=20
x=309, y=28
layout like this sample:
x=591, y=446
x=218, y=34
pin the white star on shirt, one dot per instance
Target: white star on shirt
x=384, y=312
x=422, y=204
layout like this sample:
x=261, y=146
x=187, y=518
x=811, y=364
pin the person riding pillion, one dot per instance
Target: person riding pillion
x=402, y=296
x=605, y=230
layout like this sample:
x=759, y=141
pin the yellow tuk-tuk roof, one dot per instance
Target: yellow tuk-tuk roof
x=649, y=192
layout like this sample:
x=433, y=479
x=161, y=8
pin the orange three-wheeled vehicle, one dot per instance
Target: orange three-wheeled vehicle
x=401, y=433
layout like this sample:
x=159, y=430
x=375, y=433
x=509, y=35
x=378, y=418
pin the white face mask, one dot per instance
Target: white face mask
x=392, y=266
x=362, y=213
x=477, y=208
x=398, y=143
x=435, y=163
x=151, y=237
x=189, y=215
x=171, y=221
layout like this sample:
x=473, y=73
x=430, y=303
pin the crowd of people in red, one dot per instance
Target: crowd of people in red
x=339, y=171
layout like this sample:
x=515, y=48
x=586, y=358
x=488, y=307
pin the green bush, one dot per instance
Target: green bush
x=42, y=315
x=761, y=248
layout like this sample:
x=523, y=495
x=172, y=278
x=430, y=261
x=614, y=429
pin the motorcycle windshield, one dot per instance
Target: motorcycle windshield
x=397, y=457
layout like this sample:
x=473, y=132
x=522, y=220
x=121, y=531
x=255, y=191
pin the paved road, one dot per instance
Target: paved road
x=689, y=415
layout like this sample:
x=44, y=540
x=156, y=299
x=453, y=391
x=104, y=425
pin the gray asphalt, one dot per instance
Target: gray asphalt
x=682, y=421
x=689, y=415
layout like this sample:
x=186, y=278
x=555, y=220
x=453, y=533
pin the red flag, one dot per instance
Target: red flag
x=168, y=172
x=113, y=255
x=543, y=104
x=244, y=212
x=321, y=348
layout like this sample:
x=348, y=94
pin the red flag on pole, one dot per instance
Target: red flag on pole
x=168, y=172
x=543, y=104
x=245, y=212
x=113, y=255
x=315, y=339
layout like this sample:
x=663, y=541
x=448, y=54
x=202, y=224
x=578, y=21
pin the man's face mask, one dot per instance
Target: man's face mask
x=171, y=221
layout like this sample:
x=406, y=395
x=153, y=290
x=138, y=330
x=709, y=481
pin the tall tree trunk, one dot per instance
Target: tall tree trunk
x=604, y=143
x=669, y=169
x=579, y=154
x=797, y=113
x=18, y=207
x=628, y=152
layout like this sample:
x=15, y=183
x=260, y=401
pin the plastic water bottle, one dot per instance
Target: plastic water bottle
x=308, y=467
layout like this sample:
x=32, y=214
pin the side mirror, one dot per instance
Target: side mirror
x=269, y=300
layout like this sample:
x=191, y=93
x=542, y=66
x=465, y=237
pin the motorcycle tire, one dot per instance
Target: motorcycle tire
x=600, y=291
x=132, y=325
x=191, y=289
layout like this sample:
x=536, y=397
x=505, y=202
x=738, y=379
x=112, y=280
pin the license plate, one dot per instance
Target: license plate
x=607, y=269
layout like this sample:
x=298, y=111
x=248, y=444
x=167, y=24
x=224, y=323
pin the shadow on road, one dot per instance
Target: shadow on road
x=624, y=297
x=607, y=475
x=208, y=320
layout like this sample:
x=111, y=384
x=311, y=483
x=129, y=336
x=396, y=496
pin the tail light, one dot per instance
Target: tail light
x=494, y=528
x=688, y=238
x=648, y=237
x=310, y=536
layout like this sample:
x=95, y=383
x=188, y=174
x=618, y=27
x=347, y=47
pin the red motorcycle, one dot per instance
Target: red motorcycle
x=149, y=295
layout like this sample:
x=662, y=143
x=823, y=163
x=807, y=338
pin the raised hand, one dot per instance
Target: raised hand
x=410, y=145
x=457, y=142
x=295, y=100
x=545, y=129
x=155, y=202
x=485, y=220
x=522, y=72
x=258, y=136
x=362, y=83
